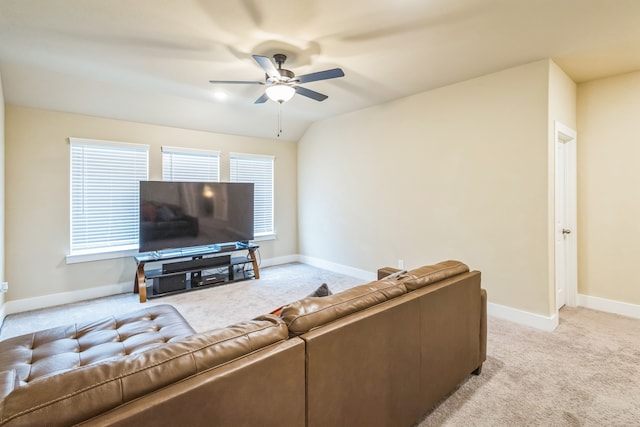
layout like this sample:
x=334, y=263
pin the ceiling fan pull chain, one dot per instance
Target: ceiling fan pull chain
x=279, y=119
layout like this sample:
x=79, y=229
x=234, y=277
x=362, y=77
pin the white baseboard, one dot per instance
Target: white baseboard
x=500, y=311
x=609, y=306
x=550, y=323
x=26, y=304
x=523, y=317
x=338, y=268
x=45, y=301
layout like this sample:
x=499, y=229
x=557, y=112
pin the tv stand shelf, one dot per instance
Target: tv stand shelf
x=193, y=268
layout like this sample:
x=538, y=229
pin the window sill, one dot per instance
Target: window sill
x=263, y=237
x=74, y=259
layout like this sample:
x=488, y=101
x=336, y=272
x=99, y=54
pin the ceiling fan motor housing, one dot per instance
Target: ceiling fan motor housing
x=285, y=76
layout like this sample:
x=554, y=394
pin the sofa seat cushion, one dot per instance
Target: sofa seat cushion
x=311, y=312
x=428, y=274
x=79, y=394
x=44, y=353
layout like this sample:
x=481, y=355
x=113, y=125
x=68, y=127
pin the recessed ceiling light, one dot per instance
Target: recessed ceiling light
x=219, y=95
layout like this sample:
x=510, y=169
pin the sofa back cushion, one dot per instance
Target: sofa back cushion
x=428, y=274
x=79, y=394
x=308, y=313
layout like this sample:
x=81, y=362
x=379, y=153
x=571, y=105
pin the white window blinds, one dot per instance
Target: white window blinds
x=105, y=206
x=259, y=170
x=184, y=164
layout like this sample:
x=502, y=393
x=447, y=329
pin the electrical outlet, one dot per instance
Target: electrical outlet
x=401, y=264
x=4, y=287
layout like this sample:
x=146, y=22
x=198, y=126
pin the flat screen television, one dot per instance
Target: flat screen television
x=184, y=214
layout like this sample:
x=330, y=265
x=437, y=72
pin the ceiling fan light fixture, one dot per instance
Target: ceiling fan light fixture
x=280, y=93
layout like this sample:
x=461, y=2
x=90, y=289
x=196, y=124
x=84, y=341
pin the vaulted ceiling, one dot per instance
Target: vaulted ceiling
x=151, y=60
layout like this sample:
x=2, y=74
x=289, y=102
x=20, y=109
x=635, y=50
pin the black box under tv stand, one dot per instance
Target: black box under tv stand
x=188, y=269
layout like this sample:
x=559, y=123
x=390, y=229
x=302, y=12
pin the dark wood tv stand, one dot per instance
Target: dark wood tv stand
x=185, y=270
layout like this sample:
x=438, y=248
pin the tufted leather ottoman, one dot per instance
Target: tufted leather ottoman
x=36, y=355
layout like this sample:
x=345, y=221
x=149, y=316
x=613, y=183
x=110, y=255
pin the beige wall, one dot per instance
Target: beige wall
x=609, y=187
x=37, y=194
x=460, y=172
x=562, y=99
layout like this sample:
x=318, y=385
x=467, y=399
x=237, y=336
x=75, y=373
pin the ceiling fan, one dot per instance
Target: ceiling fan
x=282, y=84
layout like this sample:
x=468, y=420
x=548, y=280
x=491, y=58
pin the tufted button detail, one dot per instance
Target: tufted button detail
x=56, y=350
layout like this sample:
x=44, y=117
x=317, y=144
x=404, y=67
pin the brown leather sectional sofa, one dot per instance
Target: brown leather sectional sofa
x=380, y=354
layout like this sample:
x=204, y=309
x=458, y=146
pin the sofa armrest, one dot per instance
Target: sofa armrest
x=385, y=271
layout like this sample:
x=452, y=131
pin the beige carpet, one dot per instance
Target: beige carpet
x=585, y=373
x=204, y=309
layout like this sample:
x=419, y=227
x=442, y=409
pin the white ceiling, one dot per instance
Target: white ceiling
x=150, y=60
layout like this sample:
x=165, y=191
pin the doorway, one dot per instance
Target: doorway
x=566, y=259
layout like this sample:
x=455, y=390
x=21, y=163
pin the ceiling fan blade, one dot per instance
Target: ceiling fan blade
x=321, y=75
x=310, y=93
x=264, y=98
x=267, y=66
x=235, y=82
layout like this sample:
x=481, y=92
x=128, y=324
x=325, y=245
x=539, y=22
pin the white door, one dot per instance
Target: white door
x=565, y=217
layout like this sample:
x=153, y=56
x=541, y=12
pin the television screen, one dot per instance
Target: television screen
x=183, y=214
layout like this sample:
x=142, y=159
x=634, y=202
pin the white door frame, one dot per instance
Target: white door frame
x=568, y=137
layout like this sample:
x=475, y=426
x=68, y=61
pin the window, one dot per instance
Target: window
x=105, y=208
x=259, y=170
x=185, y=164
